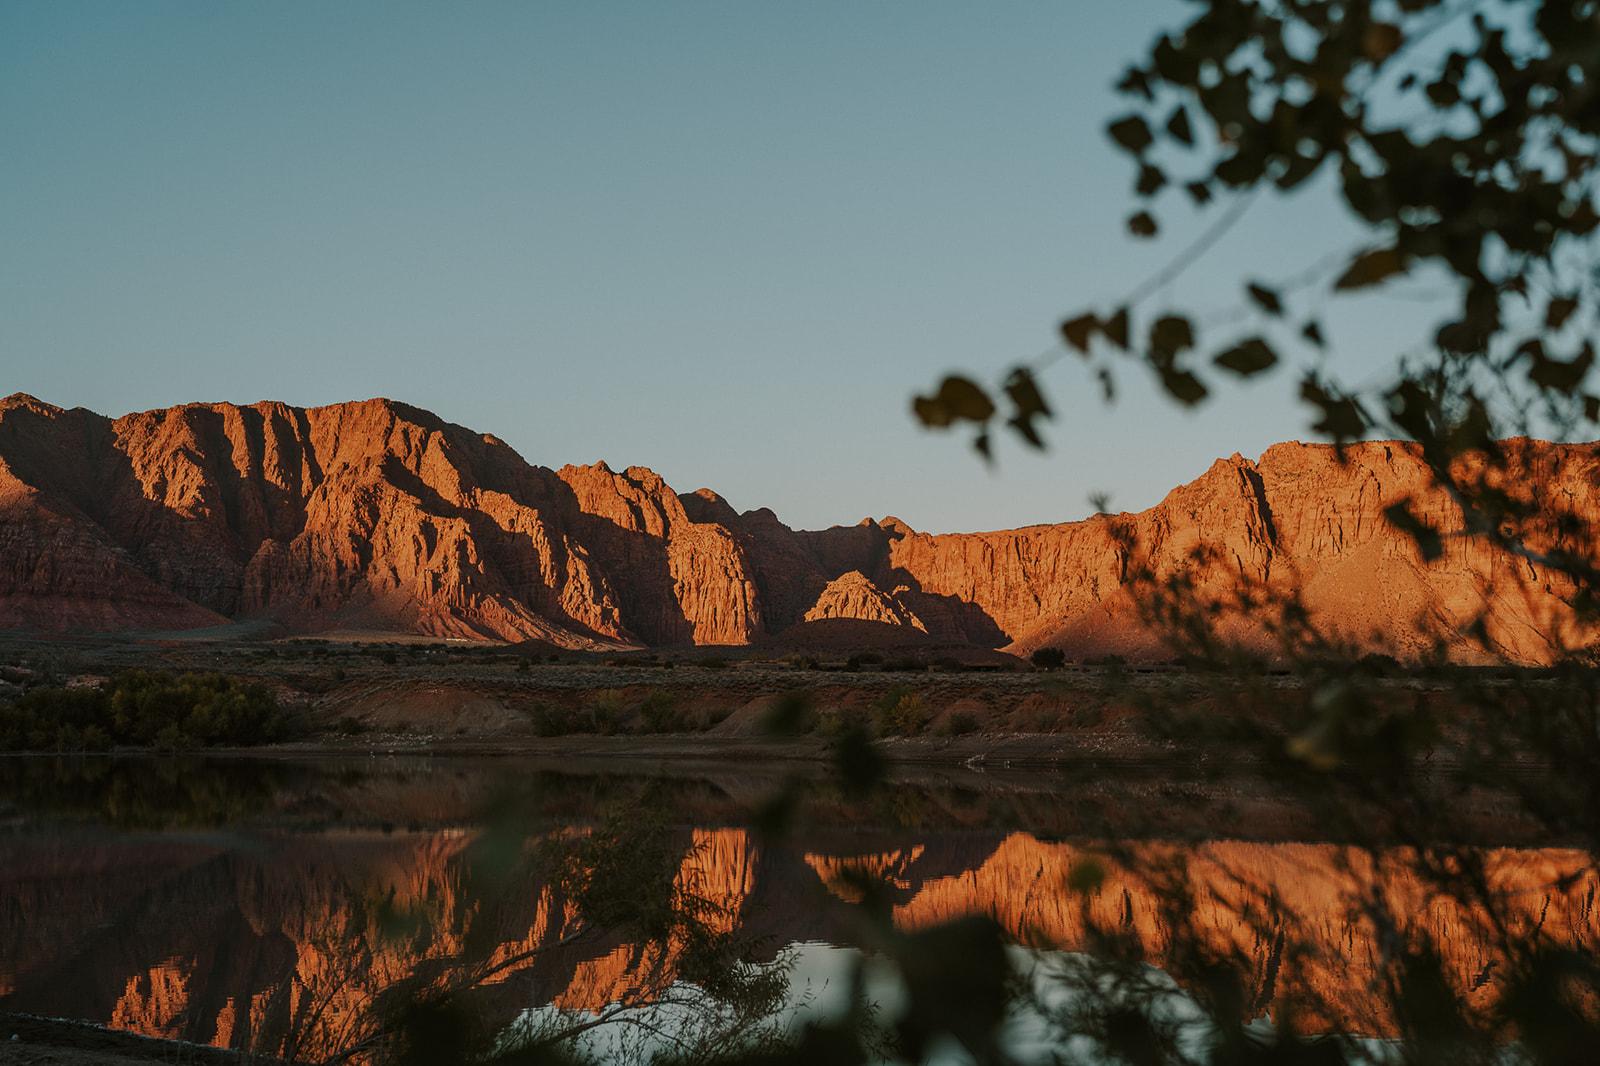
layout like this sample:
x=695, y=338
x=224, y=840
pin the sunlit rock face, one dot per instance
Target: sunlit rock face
x=283, y=947
x=377, y=516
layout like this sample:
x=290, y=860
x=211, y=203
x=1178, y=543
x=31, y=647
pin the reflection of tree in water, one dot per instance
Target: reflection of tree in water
x=138, y=792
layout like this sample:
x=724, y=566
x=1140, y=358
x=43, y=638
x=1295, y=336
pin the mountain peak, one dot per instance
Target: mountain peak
x=379, y=516
x=24, y=401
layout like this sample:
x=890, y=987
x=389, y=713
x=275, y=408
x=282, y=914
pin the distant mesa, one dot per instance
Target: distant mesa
x=379, y=517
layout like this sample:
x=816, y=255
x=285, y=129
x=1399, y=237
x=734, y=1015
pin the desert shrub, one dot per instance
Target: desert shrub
x=900, y=713
x=660, y=713
x=1048, y=658
x=960, y=723
x=554, y=721
x=830, y=722
x=906, y=664
x=144, y=709
x=607, y=709
x=1087, y=715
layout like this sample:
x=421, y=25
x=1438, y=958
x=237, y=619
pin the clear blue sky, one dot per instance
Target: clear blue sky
x=727, y=241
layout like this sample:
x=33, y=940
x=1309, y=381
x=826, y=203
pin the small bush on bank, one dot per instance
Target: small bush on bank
x=1048, y=658
x=553, y=721
x=144, y=709
x=607, y=709
x=900, y=713
x=660, y=713
x=961, y=723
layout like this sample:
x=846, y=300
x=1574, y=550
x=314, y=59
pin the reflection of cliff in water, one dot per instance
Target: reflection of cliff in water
x=241, y=940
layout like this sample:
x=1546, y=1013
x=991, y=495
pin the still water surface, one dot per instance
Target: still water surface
x=252, y=904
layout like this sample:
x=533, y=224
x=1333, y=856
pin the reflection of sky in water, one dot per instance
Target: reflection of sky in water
x=820, y=984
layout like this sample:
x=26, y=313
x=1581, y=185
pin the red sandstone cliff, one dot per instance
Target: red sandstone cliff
x=380, y=517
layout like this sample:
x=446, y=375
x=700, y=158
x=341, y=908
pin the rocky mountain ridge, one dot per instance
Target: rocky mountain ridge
x=379, y=517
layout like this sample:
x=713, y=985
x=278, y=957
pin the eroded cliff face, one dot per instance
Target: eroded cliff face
x=376, y=516
x=365, y=516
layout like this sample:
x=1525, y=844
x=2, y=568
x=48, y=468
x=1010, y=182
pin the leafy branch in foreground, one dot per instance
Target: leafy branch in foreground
x=1462, y=136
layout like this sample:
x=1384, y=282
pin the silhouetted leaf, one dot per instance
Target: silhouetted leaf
x=1371, y=267
x=1178, y=126
x=1341, y=418
x=1028, y=404
x=788, y=716
x=1131, y=133
x=1182, y=386
x=958, y=399
x=1312, y=331
x=774, y=818
x=1134, y=82
x=1247, y=357
x=1151, y=180
x=859, y=762
x=956, y=979
x=930, y=412
x=1171, y=335
x=1561, y=375
x=1079, y=331
x=1381, y=40
x=1429, y=544
x=1115, y=328
x=1142, y=224
x=1024, y=393
x=1086, y=876
x=1027, y=431
x=1265, y=298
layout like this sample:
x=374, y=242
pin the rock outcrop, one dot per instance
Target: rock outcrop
x=382, y=518
x=853, y=595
